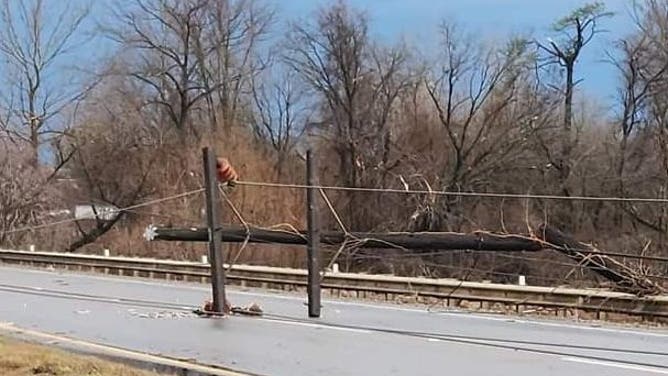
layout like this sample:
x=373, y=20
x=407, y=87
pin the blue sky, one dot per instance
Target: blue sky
x=417, y=20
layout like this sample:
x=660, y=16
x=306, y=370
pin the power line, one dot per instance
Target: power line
x=407, y=255
x=501, y=254
x=499, y=343
x=477, y=194
x=454, y=193
x=38, y=291
x=636, y=257
x=128, y=208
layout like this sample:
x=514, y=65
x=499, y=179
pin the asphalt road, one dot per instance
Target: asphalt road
x=350, y=338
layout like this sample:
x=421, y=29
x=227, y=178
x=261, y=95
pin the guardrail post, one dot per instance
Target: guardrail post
x=313, y=287
x=213, y=223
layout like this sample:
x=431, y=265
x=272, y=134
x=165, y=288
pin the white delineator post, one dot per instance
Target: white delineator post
x=522, y=281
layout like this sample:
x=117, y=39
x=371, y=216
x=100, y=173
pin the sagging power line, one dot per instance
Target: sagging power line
x=112, y=211
x=455, y=193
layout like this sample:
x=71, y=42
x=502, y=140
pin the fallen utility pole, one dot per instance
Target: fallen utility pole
x=476, y=241
x=624, y=278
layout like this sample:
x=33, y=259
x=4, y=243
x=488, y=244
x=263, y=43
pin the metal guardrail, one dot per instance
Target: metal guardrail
x=581, y=303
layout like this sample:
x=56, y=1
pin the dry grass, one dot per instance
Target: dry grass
x=19, y=359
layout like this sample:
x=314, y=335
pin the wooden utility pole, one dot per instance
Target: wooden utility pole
x=587, y=256
x=214, y=231
x=313, y=246
x=476, y=241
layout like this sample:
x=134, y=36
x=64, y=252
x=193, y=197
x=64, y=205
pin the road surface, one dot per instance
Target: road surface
x=350, y=339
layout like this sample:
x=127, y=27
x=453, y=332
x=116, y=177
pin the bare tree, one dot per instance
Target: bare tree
x=358, y=84
x=230, y=53
x=643, y=140
x=475, y=91
x=22, y=196
x=634, y=95
x=114, y=159
x=35, y=40
x=282, y=111
x=196, y=57
x=330, y=55
x=576, y=31
x=163, y=35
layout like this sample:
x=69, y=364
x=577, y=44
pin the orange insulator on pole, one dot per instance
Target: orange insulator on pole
x=225, y=172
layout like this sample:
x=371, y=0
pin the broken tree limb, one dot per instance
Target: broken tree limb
x=476, y=241
x=624, y=278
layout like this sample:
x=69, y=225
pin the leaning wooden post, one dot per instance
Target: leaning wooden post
x=313, y=245
x=214, y=229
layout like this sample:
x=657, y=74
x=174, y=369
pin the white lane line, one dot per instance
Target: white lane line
x=119, y=279
x=514, y=319
x=317, y=326
x=616, y=365
x=464, y=315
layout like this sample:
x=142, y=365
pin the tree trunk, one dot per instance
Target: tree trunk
x=564, y=217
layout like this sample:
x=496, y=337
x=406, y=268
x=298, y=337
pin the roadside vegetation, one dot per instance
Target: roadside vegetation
x=126, y=126
x=24, y=359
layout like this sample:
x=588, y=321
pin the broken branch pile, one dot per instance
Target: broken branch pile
x=624, y=278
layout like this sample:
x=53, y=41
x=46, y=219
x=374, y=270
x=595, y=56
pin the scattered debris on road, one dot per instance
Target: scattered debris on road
x=159, y=314
x=207, y=310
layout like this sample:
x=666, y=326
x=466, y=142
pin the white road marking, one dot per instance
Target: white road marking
x=465, y=315
x=552, y=324
x=318, y=326
x=616, y=365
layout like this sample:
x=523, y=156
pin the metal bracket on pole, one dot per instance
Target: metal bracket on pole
x=313, y=245
x=213, y=202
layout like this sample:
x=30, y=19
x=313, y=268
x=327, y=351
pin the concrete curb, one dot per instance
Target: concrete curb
x=155, y=363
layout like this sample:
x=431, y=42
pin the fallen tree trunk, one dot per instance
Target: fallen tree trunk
x=476, y=241
x=625, y=279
